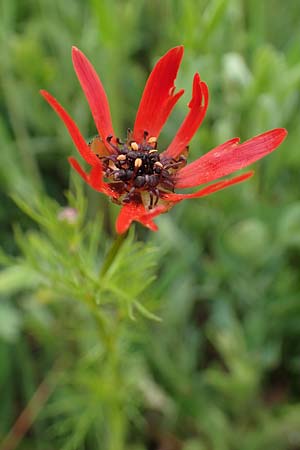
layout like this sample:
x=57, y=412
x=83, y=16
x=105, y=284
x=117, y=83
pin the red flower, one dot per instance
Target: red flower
x=134, y=173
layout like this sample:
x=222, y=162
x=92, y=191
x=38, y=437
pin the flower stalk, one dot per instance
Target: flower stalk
x=112, y=253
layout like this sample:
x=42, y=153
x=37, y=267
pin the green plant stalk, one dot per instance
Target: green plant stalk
x=117, y=429
x=116, y=416
x=109, y=335
x=112, y=253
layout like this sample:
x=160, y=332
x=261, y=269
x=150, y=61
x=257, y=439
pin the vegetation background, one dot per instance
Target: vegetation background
x=221, y=370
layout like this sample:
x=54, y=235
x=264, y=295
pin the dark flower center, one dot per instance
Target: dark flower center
x=135, y=169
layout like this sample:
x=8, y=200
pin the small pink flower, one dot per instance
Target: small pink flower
x=134, y=173
x=68, y=214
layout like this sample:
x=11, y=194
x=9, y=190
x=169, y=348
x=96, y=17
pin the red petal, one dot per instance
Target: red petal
x=76, y=136
x=208, y=189
x=198, y=106
x=158, y=98
x=94, y=93
x=97, y=183
x=94, y=178
x=136, y=212
x=75, y=164
x=146, y=219
x=127, y=214
x=229, y=157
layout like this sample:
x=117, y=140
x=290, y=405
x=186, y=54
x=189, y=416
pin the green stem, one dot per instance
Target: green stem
x=116, y=411
x=117, y=432
x=104, y=330
x=109, y=334
x=112, y=253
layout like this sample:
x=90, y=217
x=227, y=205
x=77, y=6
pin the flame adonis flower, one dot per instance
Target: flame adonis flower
x=134, y=173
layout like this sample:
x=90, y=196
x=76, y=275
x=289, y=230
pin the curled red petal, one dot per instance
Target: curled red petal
x=228, y=158
x=146, y=219
x=137, y=212
x=94, y=178
x=75, y=134
x=158, y=98
x=127, y=215
x=97, y=183
x=75, y=164
x=208, y=189
x=94, y=93
x=198, y=107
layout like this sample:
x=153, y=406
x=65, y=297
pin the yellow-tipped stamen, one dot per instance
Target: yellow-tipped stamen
x=158, y=164
x=134, y=146
x=153, y=151
x=152, y=140
x=138, y=162
x=121, y=157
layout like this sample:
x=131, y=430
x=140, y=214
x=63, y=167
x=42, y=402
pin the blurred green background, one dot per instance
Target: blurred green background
x=221, y=371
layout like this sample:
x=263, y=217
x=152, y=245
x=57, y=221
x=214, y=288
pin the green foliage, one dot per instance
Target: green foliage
x=220, y=370
x=62, y=264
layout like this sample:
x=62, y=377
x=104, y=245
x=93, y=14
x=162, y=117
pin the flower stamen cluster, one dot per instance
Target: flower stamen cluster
x=135, y=169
